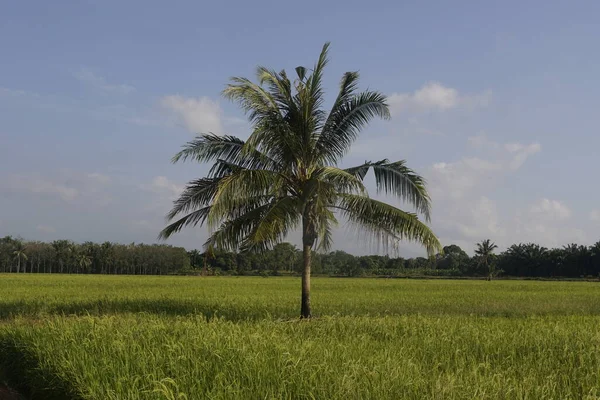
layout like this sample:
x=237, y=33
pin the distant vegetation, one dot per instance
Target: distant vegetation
x=520, y=260
x=65, y=256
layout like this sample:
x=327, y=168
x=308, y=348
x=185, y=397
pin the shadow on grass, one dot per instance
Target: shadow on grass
x=23, y=372
x=209, y=310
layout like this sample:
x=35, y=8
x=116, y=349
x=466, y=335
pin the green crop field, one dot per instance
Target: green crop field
x=125, y=337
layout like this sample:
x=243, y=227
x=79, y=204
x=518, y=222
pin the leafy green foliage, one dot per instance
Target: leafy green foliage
x=285, y=176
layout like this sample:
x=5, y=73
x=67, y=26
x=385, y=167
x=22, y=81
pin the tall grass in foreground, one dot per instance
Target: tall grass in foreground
x=124, y=337
x=410, y=357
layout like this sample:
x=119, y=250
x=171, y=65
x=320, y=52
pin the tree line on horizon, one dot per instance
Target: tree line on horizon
x=65, y=256
x=525, y=260
x=519, y=260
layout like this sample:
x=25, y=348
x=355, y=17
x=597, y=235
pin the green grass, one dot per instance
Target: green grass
x=108, y=337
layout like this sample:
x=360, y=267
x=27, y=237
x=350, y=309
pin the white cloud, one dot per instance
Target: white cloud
x=456, y=179
x=87, y=76
x=464, y=212
x=521, y=152
x=481, y=141
x=164, y=193
x=100, y=178
x=545, y=223
x=45, y=229
x=552, y=209
x=544, y=231
x=199, y=115
x=161, y=185
x=435, y=96
x=66, y=185
x=481, y=220
x=595, y=215
x=472, y=220
x=39, y=185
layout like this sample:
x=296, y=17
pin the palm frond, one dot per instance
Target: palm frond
x=192, y=219
x=259, y=227
x=345, y=122
x=243, y=185
x=397, y=179
x=348, y=86
x=252, y=98
x=326, y=223
x=198, y=193
x=301, y=72
x=272, y=227
x=279, y=88
x=316, y=78
x=341, y=180
x=211, y=147
x=232, y=231
x=389, y=224
x=272, y=113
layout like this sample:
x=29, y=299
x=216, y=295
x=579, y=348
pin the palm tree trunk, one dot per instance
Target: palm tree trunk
x=308, y=239
x=305, y=308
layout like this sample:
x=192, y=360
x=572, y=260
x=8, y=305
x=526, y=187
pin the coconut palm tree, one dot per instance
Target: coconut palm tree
x=83, y=262
x=595, y=261
x=194, y=258
x=19, y=255
x=63, y=250
x=206, y=256
x=485, y=250
x=6, y=253
x=286, y=175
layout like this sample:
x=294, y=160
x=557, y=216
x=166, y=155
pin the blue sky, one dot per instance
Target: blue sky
x=495, y=104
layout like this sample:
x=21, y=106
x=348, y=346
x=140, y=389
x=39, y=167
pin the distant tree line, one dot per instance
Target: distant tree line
x=519, y=260
x=64, y=256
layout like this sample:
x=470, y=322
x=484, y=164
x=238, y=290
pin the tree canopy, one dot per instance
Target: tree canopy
x=285, y=176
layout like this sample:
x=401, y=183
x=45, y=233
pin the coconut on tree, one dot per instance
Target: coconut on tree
x=286, y=175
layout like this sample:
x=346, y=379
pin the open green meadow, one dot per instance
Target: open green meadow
x=129, y=337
